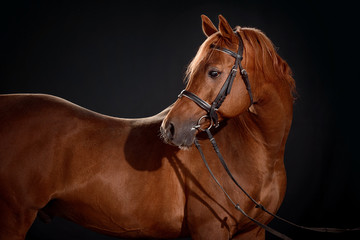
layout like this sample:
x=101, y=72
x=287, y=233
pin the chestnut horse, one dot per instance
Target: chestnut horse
x=118, y=177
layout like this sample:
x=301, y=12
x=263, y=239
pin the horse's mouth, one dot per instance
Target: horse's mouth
x=184, y=140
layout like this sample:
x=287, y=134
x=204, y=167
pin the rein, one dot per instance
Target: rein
x=212, y=115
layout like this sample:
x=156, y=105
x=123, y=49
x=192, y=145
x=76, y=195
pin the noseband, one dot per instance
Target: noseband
x=225, y=89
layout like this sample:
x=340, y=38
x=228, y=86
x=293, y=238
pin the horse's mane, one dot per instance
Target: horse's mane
x=266, y=58
x=265, y=54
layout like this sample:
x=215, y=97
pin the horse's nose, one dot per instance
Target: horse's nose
x=168, y=131
x=181, y=135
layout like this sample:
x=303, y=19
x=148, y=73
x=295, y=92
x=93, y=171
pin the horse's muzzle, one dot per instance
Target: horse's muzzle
x=181, y=135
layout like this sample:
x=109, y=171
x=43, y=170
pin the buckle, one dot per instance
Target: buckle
x=198, y=126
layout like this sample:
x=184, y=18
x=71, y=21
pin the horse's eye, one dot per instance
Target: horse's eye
x=214, y=74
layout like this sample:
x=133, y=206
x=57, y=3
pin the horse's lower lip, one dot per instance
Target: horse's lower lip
x=183, y=147
x=184, y=143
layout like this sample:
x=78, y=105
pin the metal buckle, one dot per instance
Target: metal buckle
x=198, y=126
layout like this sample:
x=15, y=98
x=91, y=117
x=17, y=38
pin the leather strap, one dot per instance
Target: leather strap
x=201, y=103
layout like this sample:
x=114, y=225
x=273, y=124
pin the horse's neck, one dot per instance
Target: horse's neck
x=266, y=123
x=272, y=116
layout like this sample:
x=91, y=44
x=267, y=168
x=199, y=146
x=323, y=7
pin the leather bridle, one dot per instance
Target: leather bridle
x=212, y=108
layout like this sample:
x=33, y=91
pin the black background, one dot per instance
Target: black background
x=127, y=59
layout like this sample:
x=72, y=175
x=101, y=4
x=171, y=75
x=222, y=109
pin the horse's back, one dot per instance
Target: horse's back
x=29, y=127
x=35, y=130
x=20, y=106
x=16, y=107
x=27, y=120
x=23, y=116
x=35, y=112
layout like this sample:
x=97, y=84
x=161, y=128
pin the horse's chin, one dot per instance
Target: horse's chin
x=183, y=147
x=184, y=144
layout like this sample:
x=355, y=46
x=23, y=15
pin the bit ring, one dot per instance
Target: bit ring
x=198, y=126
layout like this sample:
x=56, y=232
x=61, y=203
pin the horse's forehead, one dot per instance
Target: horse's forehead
x=216, y=40
x=207, y=55
x=214, y=57
x=220, y=58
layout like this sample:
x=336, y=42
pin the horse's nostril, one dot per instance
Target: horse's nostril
x=182, y=136
x=168, y=131
x=171, y=130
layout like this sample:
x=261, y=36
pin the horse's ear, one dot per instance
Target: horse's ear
x=225, y=29
x=207, y=26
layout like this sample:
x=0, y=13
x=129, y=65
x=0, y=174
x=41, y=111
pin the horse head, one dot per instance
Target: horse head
x=219, y=88
x=207, y=75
